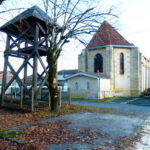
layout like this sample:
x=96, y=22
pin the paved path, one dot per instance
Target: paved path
x=144, y=143
x=121, y=106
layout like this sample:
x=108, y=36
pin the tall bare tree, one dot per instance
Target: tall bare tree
x=72, y=19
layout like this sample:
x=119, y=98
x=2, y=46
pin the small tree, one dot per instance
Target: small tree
x=72, y=19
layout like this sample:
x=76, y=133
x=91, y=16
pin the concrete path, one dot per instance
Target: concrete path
x=121, y=106
x=105, y=130
x=134, y=106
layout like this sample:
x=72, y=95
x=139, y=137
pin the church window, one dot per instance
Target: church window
x=76, y=86
x=98, y=63
x=121, y=63
x=88, y=86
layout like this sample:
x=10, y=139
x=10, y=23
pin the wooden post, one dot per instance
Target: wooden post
x=69, y=96
x=11, y=101
x=36, y=36
x=40, y=94
x=15, y=92
x=60, y=97
x=49, y=100
x=25, y=76
x=11, y=92
x=5, y=69
x=32, y=101
x=21, y=100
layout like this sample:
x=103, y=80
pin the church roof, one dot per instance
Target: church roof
x=107, y=35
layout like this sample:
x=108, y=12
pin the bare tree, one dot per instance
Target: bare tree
x=72, y=19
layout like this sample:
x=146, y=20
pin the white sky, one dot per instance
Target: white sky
x=134, y=21
x=134, y=25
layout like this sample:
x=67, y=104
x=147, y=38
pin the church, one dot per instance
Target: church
x=110, y=66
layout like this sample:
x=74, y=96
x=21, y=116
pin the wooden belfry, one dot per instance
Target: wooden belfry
x=26, y=40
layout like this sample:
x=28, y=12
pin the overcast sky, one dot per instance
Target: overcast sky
x=134, y=25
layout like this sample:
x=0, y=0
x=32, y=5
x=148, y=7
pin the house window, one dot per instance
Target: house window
x=98, y=63
x=88, y=86
x=76, y=86
x=121, y=63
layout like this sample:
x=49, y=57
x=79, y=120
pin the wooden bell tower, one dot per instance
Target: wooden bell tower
x=25, y=40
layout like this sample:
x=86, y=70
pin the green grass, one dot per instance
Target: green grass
x=9, y=134
x=98, y=100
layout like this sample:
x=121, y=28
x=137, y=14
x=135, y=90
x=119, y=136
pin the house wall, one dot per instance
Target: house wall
x=105, y=88
x=82, y=91
x=9, y=76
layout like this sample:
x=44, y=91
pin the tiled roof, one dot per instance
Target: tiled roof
x=107, y=35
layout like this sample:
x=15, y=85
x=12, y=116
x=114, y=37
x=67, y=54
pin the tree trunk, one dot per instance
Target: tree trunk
x=52, y=80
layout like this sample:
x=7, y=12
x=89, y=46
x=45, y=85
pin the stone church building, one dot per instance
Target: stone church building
x=110, y=66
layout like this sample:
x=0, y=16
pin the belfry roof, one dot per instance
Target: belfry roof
x=107, y=35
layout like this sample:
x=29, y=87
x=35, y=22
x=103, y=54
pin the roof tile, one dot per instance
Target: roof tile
x=107, y=35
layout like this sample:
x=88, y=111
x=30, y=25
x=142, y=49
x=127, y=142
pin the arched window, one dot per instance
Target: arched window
x=98, y=63
x=76, y=86
x=121, y=63
x=88, y=86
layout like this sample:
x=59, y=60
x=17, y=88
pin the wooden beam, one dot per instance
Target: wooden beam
x=25, y=80
x=21, y=67
x=18, y=78
x=18, y=38
x=35, y=63
x=25, y=40
x=42, y=84
x=41, y=61
x=25, y=75
x=39, y=75
x=41, y=41
x=17, y=53
x=41, y=28
x=5, y=69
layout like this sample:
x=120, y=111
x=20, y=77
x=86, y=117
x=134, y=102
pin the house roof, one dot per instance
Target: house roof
x=107, y=35
x=83, y=74
x=67, y=72
x=90, y=75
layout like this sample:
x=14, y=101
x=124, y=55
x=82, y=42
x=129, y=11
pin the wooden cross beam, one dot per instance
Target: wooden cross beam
x=42, y=84
x=5, y=69
x=21, y=67
x=18, y=78
x=38, y=56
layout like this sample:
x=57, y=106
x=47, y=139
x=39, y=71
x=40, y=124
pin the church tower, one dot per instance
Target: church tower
x=114, y=57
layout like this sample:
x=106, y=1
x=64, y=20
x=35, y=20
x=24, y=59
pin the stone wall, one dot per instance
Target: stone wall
x=144, y=73
x=136, y=77
x=134, y=72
